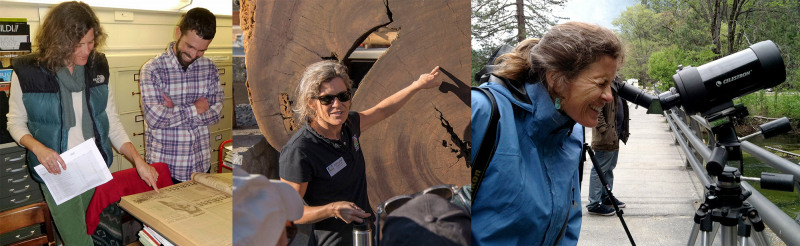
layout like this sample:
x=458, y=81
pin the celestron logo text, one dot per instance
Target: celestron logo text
x=731, y=79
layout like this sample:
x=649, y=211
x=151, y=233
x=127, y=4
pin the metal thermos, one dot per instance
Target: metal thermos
x=362, y=234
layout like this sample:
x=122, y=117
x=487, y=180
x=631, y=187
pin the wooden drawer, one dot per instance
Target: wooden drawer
x=12, y=158
x=216, y=139
x=13, y=168
x=126, y=90
x=225, y=117
x=21, y=234
x=226, y=79
x=20, y=200
x=8, y=189
x=133, y=123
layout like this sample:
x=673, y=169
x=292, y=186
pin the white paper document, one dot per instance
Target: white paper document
x=86, y=169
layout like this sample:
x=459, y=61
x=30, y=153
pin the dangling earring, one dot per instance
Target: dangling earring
x=558, y=103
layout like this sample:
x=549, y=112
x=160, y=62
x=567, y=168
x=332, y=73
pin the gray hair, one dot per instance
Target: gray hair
x=316, y=74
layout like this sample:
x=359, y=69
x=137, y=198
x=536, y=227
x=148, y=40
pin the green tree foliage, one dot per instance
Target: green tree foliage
x=663, y=64
x=638, y=27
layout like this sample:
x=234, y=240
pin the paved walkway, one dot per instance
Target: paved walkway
x=651, y=179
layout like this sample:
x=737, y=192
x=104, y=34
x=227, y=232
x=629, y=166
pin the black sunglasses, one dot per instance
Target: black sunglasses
x=328, y=99
x=448, y=192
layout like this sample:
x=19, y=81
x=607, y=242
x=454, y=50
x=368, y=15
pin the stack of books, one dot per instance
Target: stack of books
x=15, y=40
x=149, y=237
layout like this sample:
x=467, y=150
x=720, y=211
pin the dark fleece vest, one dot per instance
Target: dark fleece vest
x=40, y=94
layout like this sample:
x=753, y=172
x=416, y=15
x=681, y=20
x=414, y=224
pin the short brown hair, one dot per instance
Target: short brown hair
x=63, y=28
x=566, y=49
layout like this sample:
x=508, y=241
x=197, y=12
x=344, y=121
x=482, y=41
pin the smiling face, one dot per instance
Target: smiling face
x=189, y=47
x=83, y=49
x=590, y=91
x=334, y=114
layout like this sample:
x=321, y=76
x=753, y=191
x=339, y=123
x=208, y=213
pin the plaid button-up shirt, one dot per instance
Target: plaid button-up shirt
x=178, y=136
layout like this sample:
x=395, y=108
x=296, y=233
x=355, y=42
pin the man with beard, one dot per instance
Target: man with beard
x=181, y=97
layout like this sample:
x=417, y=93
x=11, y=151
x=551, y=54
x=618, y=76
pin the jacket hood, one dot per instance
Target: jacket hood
x=545, y=116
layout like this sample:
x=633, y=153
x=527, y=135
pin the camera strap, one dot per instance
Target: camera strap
x=488, y=145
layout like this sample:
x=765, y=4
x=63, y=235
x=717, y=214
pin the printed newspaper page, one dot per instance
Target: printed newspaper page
x=86, y=169
x=188, y=213
x=220, y=182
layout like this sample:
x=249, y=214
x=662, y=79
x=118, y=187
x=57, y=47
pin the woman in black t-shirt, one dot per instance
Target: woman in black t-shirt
x=323, y=160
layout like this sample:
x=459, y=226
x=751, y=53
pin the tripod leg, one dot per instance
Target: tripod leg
x=713, y=233
x=760, y=238
x=729, y=235
x=693, y=236
x=706, y=238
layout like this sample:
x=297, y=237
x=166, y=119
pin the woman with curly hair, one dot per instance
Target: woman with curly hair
x=59, y=99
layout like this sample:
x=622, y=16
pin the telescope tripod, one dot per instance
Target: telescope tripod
x=724, y=205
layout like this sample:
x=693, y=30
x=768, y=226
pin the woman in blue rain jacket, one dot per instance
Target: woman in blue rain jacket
x=546, y=91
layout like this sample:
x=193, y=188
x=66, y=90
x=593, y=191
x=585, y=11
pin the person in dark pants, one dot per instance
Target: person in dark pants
x=612, y=126
x=323, y=160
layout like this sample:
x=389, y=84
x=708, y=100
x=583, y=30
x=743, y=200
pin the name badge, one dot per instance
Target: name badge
x=355, y=142
x=336, y=166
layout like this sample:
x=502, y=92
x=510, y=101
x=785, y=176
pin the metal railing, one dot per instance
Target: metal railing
x=695, y=138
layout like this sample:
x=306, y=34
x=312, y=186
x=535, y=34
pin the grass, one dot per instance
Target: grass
x=773, y=105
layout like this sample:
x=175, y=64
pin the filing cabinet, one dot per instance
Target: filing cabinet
x=123, y=162
x=225, y=116
x=17, y=187
x=133, y=123
x=216, y=138
x=21, y=234
x=126, y=91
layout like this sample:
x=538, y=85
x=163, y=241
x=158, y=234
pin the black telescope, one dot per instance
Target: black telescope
x=700, y=89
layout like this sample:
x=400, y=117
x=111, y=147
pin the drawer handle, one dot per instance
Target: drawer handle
x=134, y=93
x=221, y=71
x=222, y=117
x=20, y=191
x=32, y=232
x=26, y=198
x=9, y=170
x=223, y=84
x=137, y=134
x=8, y=159
x=18, y=180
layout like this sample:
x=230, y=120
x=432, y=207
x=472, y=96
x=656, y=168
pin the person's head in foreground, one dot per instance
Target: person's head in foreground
x=263, y=210
x=325, y=93
x=68, y=36
x=194, y=33
x=427, y=220
x=577, y=63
